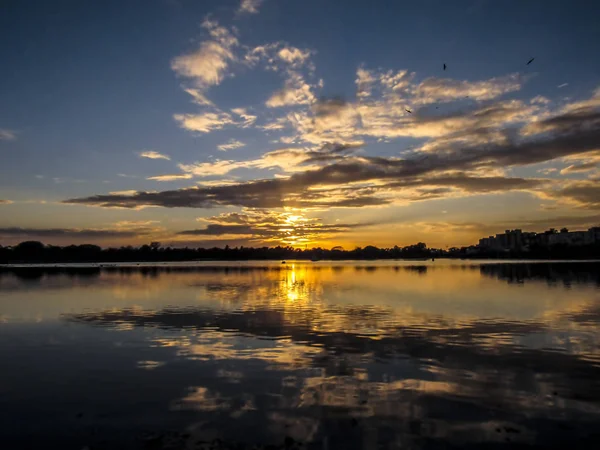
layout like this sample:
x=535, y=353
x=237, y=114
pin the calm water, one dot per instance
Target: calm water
x=309, y=355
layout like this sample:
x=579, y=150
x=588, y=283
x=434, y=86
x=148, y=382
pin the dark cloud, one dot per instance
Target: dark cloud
x=294, y=191
x=331, y=152
x=585, y=193
x=218, y=230
x=268, y=225
x=556, y=222
x=65, y=232
x=469, y=183
x=571, y=122
x=563, y=136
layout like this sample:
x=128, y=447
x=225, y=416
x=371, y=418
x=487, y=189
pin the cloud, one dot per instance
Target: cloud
x=336, y=120
x=171, y=177
x=540, y=99
x=569, y=122
x=548, y=170
x=207, y=66
x=364, y=82
x=329, y=186
x=280, y=57
x=445, y=90
x=65, y=232
x=219, y=167
x=5, y=202
x=204, y=122
x=219, y=182
x=267, y=226
x=278, y=124
x=286, y=159
x=467, y=153
x=247, y=118
x=231, y=144
x=151, y=154
x=294, y=64
x=127, y=192
x=577, y=168
x=294, y=56
x=296, y=91
x=60, y=180
x=7, y=135
x=118, y=230
x=555, y=222
x=249, y=6
x=198, y=96
x=583, y=194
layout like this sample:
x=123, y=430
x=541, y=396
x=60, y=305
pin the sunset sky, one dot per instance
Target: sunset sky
x=302, y=122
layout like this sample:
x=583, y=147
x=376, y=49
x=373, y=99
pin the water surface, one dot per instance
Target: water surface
x=350, y=355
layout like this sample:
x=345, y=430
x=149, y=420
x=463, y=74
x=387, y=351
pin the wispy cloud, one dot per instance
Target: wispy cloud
x=296, y=91
x=126, y=192
x=7, y=135
x=249, y=6
x=578, y=168
x=246, y=119
x=231, y=144
x=171, y=177
x=204, y=122
x=434, y=90
x=151, y=154
x=60, y=180
x=207, y=66
x=289, y=160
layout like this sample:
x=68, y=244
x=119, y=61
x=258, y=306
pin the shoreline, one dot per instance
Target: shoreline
x=279, y=263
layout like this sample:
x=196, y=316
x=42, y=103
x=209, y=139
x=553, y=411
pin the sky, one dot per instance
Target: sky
x=296, y=122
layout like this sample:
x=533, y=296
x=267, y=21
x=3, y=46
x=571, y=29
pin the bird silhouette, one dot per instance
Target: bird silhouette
x=408, y=111
x=530, y=61
x=445, y=66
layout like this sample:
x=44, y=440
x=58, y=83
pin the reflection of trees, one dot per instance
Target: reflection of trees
x=551, y=272
x=37, y=273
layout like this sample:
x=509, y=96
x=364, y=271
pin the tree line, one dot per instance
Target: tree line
x=37, y=252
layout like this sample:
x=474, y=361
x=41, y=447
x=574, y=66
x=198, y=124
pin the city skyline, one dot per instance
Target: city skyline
x=299, y=123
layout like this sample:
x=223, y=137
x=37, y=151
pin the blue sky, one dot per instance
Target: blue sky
x=304, y=98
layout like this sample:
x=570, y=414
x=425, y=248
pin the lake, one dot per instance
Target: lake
x=325, y=355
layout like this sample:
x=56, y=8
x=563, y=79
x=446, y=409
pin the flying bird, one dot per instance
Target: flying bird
x=445, y=66
x=530, y=61
x=408, y=111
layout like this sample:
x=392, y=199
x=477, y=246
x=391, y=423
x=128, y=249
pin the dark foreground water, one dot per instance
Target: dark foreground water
x=301, y=355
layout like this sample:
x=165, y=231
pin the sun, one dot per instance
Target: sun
x=293, y=219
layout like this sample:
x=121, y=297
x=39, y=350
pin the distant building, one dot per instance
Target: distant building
x=517, y=240
x=509, y=240
x=566, y=237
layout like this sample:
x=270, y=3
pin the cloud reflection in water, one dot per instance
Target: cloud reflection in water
x=412, y=356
